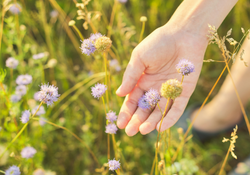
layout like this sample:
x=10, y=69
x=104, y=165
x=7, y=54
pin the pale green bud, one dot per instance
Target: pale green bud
x=171, y=89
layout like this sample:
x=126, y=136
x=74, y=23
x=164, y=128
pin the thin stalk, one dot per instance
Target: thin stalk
x=152, y=169
x=18, y=35
x=1, y=30
x=11, y=78
x=73, y=134
x=225, y=160
x=182, y=79
x=142, y=31
x=2, y=172
x=106, y=76
x=114, y=145
x=78, y=32
x=112, y=18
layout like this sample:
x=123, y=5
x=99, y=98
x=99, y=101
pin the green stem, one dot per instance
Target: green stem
x=142, y=31
x=106, y=76
x=182, y=79
x=78, y=32
x=114, y=145
x=11, y=78
x=2, y=172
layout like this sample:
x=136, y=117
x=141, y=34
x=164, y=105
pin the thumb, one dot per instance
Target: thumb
x=131, y=76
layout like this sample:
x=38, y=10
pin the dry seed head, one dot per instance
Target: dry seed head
x=103, y=44
x=171, y=89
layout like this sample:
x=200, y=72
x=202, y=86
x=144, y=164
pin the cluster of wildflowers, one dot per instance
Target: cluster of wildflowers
x=98, y=90
x=28, y=152
x=114, y=164
x=96, y=42
x=149, y=99
x=48, y=94
x=13, y=170
x=111, y=128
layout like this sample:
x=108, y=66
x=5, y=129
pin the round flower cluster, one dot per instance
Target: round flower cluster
x=13, y=170
x=98, y=90
x=111, y=117
x=114, y=164
x=111, y=128
x=24, y=79
x=171, y=89
x=185, y=67
x=11, y=63
x=48, y=94
x=149, y=100
x=28, y=152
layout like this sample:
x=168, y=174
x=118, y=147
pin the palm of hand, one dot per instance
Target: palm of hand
x=153, y=63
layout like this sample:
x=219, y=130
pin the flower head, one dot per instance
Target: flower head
x=185, y=67
x=152, y=97
x=28, y=152
x=95, y=36
x=87, y=47
x=21, y=90
x=111, y=117
x=171, y=89
x=15, y=8
x=13, y=170
x=143, y=103
x=114, y=164
x=41, y=111
x=111, y=128
x=98, y=90
x=103, y=44
x=48, y=94
x=11, y=62
x=15, y=98
x=24, y=79
x=25, y=116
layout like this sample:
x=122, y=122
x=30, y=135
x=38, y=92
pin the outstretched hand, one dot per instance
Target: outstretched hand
x=152, y=63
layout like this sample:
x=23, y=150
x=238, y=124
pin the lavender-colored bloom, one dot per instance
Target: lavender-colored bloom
x=123, y=1
x=111, y=128
x=95, y=36
x=152, y=97
x=115, y=64
x=185, y=67
x=28, y=152
x=36, y=96
x=25, y=116
x=15, y=8
x=98, y=90
x=15, y=98
x=39, y=55
x=87, y=47
x=24, y=79
x=21, y=90
x=41, y=111
x=42, y=121
x=114, y=164
x=143, y=103
x=111, y=116
x=11, y=62
x=53, y=13
x=13, y=170
x=48, y=94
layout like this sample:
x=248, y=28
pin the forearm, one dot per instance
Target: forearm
x=195, y=15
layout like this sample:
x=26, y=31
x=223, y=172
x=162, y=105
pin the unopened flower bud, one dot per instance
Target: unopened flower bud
x=103, y=44
x=143, y=19
x=71, y=22
x=52, y=63
x=171, y=89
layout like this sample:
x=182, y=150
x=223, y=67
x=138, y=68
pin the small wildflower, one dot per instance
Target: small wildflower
x=103, y=44
x=15, y=98
x=28, y=152
x=40, y=55
x=13, y=170
x=42, y=121
x=111, y=128
x=15, y=8
x=152, y=97
x=98, y=90
x=12, y=63
x=111, y=117
x=24, y=79
x=185, y=67
x=25, y=116
x=48, y=94
x=41, y=111
x=87, y=47
x=143, y=103
x=114, y=164
x=21, y=90
x=95, y=36
x=171, y=89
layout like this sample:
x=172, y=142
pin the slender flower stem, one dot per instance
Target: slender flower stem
x=73, y=134
x=142, y=31
x=11, y=78
x=182, y=79
x=2, y=172
x=112, y=18
x=78, y=32
x=20, y=132
x=114, y=145
x=106, y=75
x=152, y=169
x=225, y=160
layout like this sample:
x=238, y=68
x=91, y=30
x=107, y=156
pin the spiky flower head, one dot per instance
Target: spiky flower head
x=111, y=116
x=103, y=44
x=41, y=111
x=98, y=90
x=13, y=170
x=25, y=116
x=48, y=94
x=185, y=67
x=87, y=47
x=15, y=98
x=28, y=152
x=21, y=90
x=24, y=79
x=12, y=62
x=111, y=128
x=171, y=89
x=143, y=103
x=152, y=97
x=114, y=164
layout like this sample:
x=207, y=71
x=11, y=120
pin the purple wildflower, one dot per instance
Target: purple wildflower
x=114, y=164
x=28, y=152
x=11, y=62
x=152, y=97
x=15, y=98
x=13, y=170
x=54, y=14
x=40, y=55
x=42, y=121
x=143, y=103
x=48, y=94
x=41, y=111
x=111, y=128
x=24, y=79
x=185, y=67
x=87, y=47
x=21, y=90
x=111, y=116
x=25, y=116
x=98, y=90
x=15, y=8
x=95, y=36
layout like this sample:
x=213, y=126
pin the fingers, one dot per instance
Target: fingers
x=129, y=107
x=131, y=75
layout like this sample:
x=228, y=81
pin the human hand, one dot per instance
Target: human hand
x=153, y=63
